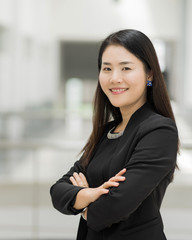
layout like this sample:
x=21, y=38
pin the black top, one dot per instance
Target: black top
x=97, y=171
x=148, y=150
x=103, y=158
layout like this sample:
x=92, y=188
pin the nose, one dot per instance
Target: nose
x=116, y=77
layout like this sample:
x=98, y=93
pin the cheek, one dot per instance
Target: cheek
x=138, y=84
x=102, y=81
x=139, y=79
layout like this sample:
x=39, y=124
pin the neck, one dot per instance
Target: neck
x=125, y=119
x=126, y=113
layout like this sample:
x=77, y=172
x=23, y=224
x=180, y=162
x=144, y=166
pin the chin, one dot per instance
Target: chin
x=117, y=105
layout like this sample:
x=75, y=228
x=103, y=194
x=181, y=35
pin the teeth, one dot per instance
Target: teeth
x=119, y=90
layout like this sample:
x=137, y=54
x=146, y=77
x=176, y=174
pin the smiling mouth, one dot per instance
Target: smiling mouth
x=118, y=90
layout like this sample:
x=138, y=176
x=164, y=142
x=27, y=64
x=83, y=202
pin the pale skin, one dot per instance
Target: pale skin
x=123, y=79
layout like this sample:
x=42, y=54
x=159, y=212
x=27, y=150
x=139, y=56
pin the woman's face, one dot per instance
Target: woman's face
x=123, y=78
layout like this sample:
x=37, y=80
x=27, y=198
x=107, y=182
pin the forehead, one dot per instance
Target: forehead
x=117, y=53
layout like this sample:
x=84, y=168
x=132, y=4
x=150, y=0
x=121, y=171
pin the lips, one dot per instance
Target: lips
x=118, y=90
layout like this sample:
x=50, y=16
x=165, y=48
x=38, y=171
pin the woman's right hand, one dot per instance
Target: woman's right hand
x=89, y=195
x=114, y=181
x=104, y=188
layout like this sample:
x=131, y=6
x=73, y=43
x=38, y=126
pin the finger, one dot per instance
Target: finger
x=84, y=180
x=117, y=179
x=110, y=184
x=78, y=179
x=121, y=172
x=72, y=179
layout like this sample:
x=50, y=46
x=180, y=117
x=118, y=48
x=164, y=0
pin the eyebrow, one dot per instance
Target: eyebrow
x=121, y=63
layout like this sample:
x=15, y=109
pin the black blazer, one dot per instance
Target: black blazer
x=148, y=150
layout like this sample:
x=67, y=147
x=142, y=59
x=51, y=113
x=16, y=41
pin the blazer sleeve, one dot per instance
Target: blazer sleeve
x=63, y=193
x=153, y=159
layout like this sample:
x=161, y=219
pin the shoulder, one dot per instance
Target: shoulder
x=158, y=123
x=146, y=119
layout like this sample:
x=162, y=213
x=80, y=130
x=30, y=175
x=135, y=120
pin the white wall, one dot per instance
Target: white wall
x=90, y=19
x=28, y=65
x=6, y=11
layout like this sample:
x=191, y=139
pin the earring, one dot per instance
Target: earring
x=149, y=83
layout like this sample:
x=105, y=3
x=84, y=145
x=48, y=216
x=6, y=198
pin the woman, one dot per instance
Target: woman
x=129, y=160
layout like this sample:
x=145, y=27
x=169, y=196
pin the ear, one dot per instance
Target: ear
x=150, y=76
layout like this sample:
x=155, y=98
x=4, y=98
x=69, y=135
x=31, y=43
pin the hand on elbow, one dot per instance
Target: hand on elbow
x=88, y=195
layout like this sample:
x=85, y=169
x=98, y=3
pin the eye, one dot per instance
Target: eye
x=107, y=69
x=126, y=69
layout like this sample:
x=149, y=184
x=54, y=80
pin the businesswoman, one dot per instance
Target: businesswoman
x=130, y=157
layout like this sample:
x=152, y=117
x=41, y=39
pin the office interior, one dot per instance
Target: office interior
x=48, y=75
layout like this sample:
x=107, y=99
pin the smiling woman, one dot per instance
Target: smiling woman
x=129, y=160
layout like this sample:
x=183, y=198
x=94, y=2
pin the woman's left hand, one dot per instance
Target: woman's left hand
x=79, y=180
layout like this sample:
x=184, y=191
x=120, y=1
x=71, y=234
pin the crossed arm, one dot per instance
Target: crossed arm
x=88, y=195
x=152, y=161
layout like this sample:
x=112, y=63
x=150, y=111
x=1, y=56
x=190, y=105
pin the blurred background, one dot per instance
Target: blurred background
x=48, y=74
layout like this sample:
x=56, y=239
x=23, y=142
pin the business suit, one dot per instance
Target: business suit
x=147, y=149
